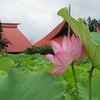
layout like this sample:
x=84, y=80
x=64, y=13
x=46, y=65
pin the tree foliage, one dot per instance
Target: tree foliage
x=3, y=41
x=92, y=23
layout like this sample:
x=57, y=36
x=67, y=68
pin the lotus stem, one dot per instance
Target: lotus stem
x=89, y=83
x=75, y=80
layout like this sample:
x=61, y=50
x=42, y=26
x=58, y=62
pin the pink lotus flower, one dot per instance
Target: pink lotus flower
x=70, y=51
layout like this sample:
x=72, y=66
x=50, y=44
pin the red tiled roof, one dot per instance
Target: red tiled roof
x=55, y=35
x=18, y=40
x=98, y=29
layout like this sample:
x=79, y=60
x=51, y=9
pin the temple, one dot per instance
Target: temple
x=56, y=35
x=18, y=41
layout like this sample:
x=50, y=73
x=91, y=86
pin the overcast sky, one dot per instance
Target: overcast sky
x=39, y=17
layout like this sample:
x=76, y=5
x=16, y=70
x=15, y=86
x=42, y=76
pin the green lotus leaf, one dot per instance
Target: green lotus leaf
x=83, y=89
x=6, y=63
x=95, y=37
x=70, y=97
x=26, y=85
x=90, y=41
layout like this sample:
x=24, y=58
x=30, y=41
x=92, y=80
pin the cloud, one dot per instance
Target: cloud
x=39, y=17
x=85, y=8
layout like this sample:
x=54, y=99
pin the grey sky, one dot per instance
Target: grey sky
x=39, y=17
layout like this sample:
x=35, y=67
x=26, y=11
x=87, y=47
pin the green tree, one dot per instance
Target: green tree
x=3, y=41
x=92, y=23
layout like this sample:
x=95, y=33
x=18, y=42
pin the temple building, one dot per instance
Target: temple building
x=18, y=41
x=56, y=35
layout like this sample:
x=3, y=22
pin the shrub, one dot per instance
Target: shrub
x=45, y=49
x=32, y=50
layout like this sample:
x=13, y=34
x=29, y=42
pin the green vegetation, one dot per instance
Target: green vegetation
x=45, y=49
x=24, y=61
x=24, y=76
x=92, y=23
